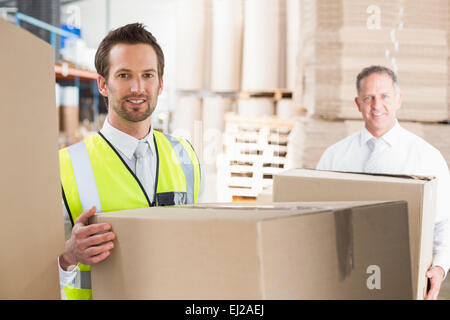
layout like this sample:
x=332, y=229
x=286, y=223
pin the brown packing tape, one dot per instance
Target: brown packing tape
x=344, y=241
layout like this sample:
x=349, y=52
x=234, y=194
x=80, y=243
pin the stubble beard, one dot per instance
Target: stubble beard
x=131, y=115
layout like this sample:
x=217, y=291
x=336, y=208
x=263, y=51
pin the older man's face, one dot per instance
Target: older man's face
x=378, y=103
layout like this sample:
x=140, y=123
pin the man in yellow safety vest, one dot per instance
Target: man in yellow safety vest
x=126, y=164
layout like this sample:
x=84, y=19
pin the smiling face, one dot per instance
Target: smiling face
x=378, y=102
x=133, y=85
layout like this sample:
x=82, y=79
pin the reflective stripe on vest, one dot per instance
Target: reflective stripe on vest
x=196, y=167
x=84, y=177
x=73, y=293
x=182, y=158
x=93, y=173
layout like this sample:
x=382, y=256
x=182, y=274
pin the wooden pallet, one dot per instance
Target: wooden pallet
x=276, y=94
x=255, y=150
x=234, y=122
x=243, y=199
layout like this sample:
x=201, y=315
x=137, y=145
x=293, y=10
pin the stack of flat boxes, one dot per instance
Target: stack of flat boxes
x=448, y=63
x=340, y=38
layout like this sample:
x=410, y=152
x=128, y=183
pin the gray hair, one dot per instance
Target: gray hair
x=377, y=69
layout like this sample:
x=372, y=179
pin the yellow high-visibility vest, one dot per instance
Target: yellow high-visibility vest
x=93, y=173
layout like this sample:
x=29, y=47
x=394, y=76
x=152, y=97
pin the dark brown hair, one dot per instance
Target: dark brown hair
x=377, y=69
x=133, y=33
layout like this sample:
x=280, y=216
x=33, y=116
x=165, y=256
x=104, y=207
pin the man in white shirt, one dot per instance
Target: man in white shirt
x=383, y=146
x=127, y=164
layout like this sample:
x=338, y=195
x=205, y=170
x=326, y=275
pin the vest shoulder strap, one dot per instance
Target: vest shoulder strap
x=84, y=176
x=173, y=150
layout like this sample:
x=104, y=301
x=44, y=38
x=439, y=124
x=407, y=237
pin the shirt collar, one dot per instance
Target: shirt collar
x=391, y=137
x=123, y=141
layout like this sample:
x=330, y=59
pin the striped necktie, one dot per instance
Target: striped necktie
x=143, y=169
x=375, y=146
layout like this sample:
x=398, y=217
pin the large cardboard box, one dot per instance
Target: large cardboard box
x=419, y=192
x=342, y=250
x=32, y=227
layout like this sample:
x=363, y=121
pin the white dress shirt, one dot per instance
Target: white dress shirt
x=125, y=145
x=400, y=152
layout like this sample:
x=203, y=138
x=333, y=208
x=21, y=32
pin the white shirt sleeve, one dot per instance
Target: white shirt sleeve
x=441, y=240
x=66, y=277
x=441, y=248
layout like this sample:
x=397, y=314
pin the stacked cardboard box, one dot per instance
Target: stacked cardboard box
x=31, y=228
x=310, y=250
x=419, y=192
x=448, y=65
x=342, y=37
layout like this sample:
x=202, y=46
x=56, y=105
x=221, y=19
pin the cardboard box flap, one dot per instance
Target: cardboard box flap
x=329, y=174
x=418, y=191
x=32, y=227
x=241, y=211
